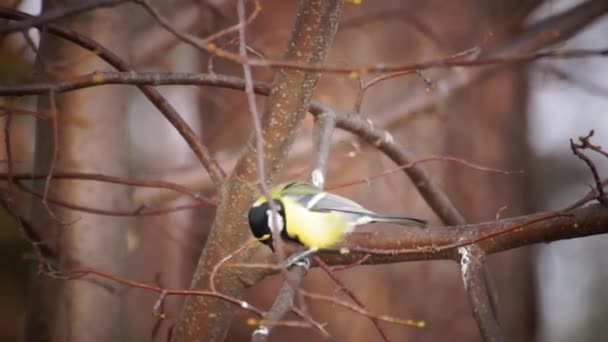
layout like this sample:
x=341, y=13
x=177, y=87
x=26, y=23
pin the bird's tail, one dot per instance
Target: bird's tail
x=402, y=220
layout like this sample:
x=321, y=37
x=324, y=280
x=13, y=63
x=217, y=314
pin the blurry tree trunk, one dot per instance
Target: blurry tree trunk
x=165, y=247
x=487, y=124
x=91, y=138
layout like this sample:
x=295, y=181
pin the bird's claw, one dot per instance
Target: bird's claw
x=301, y=259
x=296, y=260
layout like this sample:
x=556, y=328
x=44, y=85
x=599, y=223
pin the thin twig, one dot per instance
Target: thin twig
x=357, y=309
x=601, y=197
x=253, y=109
x=141, y=211
x=354, y=71
x=215, y=172
x=76, y=273
x=366, y=85
x=145, y=183
x=258, y=133
x=351, y=295
x=8, y=149
x=411, y=164
x=45, y=254
x=224, y=260
x=55, y=14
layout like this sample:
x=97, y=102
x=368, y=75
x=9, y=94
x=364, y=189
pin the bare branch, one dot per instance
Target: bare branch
x=351, y=295
x=313, y=30
x=104, y=178
x=433, y=195
x=492, y=237
x=476, y=286
x=282, y=303
x=384, y=141
x=212, y=167
x=136, y=78
x=586, y=11
x=141, y=211
x=570, y=77
x=396, y=14
x=81, y=272
x=590, y=10
x=576, y=149
x=156, y=39
x=325, y=124
x=542, y=34
x=8, y=148
x=45, y=253
x=58, y=13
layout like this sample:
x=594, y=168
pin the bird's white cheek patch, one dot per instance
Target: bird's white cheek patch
x=278, y=219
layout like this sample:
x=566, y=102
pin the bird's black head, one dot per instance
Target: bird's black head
x=259, y=216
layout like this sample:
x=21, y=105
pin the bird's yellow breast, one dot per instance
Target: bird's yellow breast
x=313, y=229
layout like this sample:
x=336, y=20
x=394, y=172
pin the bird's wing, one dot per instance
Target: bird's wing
x=325, y=201
x=337, y=203
x=315, y=199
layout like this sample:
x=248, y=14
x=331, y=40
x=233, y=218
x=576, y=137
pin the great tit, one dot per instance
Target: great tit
x=312, y=217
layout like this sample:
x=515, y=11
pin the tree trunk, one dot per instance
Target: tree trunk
x=91, y=137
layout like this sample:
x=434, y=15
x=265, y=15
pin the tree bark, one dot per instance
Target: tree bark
x=91, y=136
x=312, y=33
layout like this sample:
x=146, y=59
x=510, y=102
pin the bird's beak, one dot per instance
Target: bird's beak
x=271, y=245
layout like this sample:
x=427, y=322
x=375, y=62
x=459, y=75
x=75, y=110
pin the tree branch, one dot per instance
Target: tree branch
x=325, y=123
x=313, y=30
x=58, y=13
x=476, y=284
x=492, y=237
x=382, y=140
x=212, y=167
x=282, y=304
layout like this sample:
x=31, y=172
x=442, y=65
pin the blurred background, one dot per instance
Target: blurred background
x=517, y=117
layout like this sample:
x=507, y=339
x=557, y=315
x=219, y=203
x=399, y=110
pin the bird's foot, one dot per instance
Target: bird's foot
x=301, y=259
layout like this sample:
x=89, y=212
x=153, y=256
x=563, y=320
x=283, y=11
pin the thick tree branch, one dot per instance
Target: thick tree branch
x=492, y=237
x=313, y=30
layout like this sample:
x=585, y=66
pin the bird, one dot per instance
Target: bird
x=311, y=217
